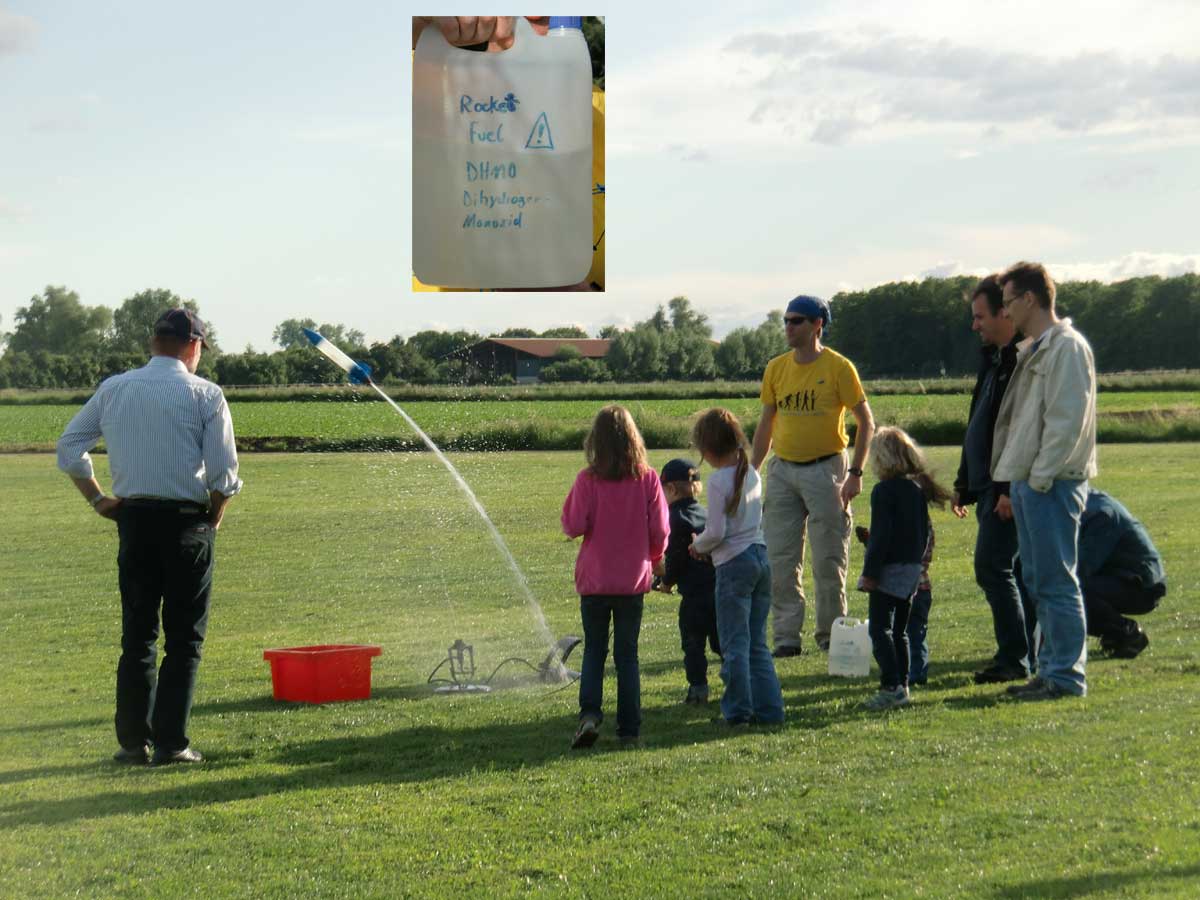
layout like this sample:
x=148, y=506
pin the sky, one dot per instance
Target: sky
x=256, y=157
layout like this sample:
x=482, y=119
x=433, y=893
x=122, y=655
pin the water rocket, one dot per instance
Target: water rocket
x=358, y=372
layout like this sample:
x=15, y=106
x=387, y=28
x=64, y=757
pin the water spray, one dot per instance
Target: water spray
x=551, y=669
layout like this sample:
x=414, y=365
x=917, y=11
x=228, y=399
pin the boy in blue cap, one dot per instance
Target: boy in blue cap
x=696, y=577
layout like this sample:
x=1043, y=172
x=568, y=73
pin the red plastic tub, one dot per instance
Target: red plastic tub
x=323, y=673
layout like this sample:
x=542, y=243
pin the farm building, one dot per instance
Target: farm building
x=523, y=358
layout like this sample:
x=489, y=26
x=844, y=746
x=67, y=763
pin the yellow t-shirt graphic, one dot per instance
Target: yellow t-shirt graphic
x=810, y=401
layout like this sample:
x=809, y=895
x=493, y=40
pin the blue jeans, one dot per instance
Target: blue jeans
x=918, y=646
x=995, y=552
x=1048, y=532
x=743, y=602
x=625, y=611
x=889, y=637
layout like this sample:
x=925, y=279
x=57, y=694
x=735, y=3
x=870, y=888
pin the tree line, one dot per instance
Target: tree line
x=903, y=329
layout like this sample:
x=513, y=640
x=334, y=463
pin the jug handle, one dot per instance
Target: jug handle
x=522, y=34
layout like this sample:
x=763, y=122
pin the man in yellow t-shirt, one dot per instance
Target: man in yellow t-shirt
x=805, y=395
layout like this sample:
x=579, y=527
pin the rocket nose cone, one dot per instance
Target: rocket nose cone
x=312, y=335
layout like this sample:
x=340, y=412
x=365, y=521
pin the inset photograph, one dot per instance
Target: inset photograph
x=508, y=153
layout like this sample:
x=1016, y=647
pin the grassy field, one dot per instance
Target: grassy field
x=411, y=794
x=1185, y=380
x=559, y=424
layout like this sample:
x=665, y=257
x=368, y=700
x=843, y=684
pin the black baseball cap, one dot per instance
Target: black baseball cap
x=679, y=470
x=181, y=323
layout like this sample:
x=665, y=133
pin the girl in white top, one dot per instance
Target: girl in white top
x=734, y=539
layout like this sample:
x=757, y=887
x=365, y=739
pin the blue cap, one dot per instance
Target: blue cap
x=811, y=306
x=679, y=470
x=566, y=22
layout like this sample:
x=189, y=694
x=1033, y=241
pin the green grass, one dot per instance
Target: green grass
x=411, y=794
x=561, y=424
x=1151, y=380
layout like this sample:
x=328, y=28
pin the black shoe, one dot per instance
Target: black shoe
x=586, y=734
x=697, y=695
x=1038, y=689
x=823, y=646
x=785, y=651
x=630, y=741
x=170, y=757
x=1128, y=645
x=997, y=674
x=135, y=756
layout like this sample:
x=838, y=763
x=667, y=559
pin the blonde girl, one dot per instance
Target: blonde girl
x=892, y=567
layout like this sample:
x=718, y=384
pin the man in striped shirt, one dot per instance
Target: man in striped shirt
x=174, y=468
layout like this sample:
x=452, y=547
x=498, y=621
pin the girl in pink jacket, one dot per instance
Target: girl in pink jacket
x=617, y=505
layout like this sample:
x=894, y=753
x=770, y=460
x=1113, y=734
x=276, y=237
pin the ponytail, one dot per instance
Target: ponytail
x=739, y=480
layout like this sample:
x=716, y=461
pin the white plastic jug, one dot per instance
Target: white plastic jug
x=850, y=648
x=502, y=160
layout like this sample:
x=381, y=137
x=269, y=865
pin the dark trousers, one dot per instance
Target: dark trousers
x=698, y=627
x=1108, y=599
x=625, y=613
x=918, y=627
x=165, y=559
x=889, y=637
x=995, y=554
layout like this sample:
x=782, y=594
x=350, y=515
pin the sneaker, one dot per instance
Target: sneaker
x=586, y=734
x=1038, y=689
x=785, y=651
x=1128, y=645
x=630, y=741
x=999, y=673
x=888, y=699
x=697, y=695
x=135, y=756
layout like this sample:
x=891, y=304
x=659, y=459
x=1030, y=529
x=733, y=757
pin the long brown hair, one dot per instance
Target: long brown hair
x=718, y=433
x=896, y=455
x=614, y=447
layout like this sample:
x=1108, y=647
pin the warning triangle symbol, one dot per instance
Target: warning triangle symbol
x=539, y=135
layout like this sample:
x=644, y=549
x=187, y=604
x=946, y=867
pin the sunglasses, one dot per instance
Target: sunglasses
x=796, y=320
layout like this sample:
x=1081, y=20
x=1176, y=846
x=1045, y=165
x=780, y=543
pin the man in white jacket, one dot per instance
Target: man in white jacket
x=1045, y=445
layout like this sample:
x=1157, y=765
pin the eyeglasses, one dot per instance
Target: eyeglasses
x=796, y=320
x=1007, y=302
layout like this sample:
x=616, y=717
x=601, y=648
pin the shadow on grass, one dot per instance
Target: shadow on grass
x=1106, y=882
x=403, y=756
x=412, y=755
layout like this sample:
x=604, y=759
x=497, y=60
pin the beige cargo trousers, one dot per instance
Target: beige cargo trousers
x=806, y=498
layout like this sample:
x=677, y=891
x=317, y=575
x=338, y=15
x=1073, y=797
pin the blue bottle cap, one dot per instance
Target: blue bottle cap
x=566, y=22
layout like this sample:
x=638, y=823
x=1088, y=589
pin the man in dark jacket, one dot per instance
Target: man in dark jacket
x=996, y=542
x=1120, y=573
x=696, y=577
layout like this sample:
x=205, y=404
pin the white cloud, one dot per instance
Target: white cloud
x=16, y=32
x=885, y=79
x=10, y=211
x=1131, y=265
x=1013, y=72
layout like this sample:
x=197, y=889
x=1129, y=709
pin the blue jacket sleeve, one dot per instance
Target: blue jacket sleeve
x=881, y=533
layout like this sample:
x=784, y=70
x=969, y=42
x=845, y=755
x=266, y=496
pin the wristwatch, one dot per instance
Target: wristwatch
x=855, y=470
x=96, y=500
